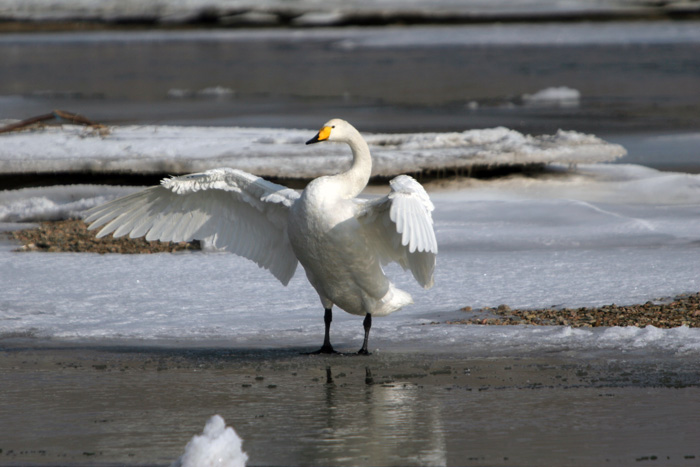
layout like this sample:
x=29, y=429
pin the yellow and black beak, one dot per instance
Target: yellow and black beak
x=322, y=135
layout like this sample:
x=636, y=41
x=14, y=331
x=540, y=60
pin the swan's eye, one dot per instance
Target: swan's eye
x=333, y=126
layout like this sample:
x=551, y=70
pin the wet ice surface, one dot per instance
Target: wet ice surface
x=138, y=405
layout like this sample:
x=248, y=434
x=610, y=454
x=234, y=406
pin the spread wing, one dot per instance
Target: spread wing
x=231, y=209
x=401, y=225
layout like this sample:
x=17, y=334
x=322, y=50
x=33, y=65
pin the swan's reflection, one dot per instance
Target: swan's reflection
x=377, y=424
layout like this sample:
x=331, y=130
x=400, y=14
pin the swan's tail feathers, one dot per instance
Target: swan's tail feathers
x=394, y=300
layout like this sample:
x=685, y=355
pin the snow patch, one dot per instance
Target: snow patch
x=217, y=446
x=55, y=203
x=553, y=97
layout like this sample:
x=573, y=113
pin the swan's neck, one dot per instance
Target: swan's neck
x=354, y=180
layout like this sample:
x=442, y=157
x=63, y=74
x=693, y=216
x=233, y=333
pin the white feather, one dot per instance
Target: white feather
x=183, y=208
x=401, y=225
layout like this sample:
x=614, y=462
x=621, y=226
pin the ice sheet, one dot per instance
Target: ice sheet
x=607, y=234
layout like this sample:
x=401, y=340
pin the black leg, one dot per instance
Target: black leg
x=327, y=347
x=367, y=323
x=369, y=380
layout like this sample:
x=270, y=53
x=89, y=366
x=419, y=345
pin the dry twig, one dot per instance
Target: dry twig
x=61, y=116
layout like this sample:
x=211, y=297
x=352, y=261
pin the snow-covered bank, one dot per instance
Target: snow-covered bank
x=282, y=153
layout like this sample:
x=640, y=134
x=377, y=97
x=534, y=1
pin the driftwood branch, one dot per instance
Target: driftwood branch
x=60, y=115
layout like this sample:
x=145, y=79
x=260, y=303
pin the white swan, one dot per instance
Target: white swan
x=340, y=240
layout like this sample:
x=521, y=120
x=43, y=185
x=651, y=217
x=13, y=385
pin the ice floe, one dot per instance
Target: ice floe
x=282, y=153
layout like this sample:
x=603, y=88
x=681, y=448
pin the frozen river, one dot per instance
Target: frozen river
x=115, y=360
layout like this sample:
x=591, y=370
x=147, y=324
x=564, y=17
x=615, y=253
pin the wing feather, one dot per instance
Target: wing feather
x=141, y=226
x=179, y=224
x=401, y=224
x=131, y=221
x=231, y=209
x=170, y=231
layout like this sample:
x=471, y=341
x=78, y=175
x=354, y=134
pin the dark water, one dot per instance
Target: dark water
x=137, y=406
x=629, y=90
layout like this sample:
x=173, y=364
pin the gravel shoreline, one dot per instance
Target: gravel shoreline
x=683, y=310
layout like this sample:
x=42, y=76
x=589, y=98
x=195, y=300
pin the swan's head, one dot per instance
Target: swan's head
x=334, y=130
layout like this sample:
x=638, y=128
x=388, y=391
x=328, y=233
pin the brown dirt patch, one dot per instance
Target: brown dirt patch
x=73, y=236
